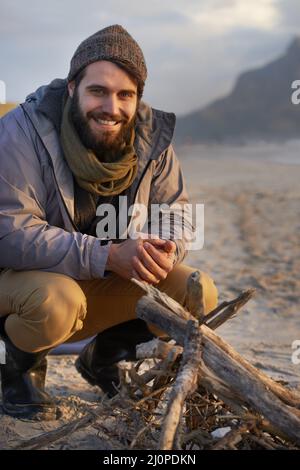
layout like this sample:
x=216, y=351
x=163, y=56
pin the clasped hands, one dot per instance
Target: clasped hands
x=146, y=259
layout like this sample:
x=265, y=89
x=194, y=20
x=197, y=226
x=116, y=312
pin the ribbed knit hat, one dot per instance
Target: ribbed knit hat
x=111, y=43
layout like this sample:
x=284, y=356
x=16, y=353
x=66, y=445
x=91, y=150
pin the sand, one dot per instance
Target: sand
x=252, y=226
x=252, y=239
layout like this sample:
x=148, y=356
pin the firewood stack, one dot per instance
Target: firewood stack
x=204, y=383
x=190, y=389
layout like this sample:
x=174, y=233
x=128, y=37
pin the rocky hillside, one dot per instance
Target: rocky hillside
x=259, y=106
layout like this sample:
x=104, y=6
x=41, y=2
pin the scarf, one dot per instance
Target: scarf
x=96, y=177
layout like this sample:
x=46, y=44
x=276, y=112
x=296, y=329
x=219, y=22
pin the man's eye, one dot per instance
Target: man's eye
x=126, y=94
x=98, y=92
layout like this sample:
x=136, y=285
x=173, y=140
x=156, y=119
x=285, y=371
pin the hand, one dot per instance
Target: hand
x=130, y=259
x=124, y=260
x=157, y=256
x=120, y=257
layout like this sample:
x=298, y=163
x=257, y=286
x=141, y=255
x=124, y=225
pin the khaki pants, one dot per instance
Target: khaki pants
x=47, y=309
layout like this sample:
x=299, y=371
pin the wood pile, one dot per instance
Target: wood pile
x=197, y=392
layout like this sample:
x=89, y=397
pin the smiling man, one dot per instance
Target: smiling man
x=74, y=146
x=103, y=111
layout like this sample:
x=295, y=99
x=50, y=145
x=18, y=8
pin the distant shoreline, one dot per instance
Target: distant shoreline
x=287, y=152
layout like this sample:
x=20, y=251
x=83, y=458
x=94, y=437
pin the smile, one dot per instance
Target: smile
x=103, y=122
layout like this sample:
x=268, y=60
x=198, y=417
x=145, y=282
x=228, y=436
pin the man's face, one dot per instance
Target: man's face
x=104, y=108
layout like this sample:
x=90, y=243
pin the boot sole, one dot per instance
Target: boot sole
x=43, y=414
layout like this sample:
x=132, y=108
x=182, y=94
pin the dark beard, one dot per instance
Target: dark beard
x=107, y=149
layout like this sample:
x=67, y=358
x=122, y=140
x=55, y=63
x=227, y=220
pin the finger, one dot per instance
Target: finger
x=144, y=274
x=170, y=246
x=150, y=264
x=156, y=242
x=161, y=258
x=136, y=276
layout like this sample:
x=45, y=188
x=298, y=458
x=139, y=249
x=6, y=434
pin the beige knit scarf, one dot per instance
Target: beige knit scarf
x=105, y=179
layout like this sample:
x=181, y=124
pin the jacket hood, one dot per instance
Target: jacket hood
x=154, y=128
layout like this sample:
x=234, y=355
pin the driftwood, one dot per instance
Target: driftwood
x=220, y=364
x=222, y=313
x=185, y=384
x=197, y=383
x=214, y=319
x=194, y=296
x=48, y=438
x=157, y=348
x=227, y=310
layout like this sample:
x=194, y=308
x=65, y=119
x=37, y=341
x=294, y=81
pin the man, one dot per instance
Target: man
x=74, y=146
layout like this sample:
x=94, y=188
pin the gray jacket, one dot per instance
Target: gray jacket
x=36, y=187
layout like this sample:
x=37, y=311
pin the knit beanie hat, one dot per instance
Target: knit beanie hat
x=112, y=43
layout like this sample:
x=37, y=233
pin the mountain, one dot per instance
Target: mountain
x=259, y=107
x=4, y=108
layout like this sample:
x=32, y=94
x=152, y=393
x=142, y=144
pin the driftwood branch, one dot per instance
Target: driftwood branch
x=157, y=349
x=256, y=389
x=194, y=296
x=163, y=299
x=227, y=310
x=232, y=438
x=47, y=438
x=197, y=380
x=214, y=319
x=185, y=384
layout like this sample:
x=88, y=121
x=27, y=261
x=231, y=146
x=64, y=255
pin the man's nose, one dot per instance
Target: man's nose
x=110, y=105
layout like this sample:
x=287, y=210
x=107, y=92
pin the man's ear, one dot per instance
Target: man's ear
x=71, y=88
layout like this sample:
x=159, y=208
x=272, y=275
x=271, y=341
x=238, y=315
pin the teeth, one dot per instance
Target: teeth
x=107, y=123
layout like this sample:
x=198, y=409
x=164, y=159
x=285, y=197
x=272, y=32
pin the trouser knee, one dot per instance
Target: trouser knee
x=51, y=314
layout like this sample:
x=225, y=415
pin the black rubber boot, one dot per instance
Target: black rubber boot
x=97, y=363
x=23, y=383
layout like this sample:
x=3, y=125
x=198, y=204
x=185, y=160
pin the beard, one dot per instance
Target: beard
x=108, y=145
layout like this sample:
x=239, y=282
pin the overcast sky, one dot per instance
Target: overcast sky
x=194, y=49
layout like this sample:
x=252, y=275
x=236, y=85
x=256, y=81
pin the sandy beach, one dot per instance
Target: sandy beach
x=252, y=227
x=252, y=239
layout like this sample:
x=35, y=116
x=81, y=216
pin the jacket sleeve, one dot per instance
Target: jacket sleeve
x=172, y=219
x=27, y=241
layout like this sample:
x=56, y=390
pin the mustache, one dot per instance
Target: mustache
x=107, y=117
